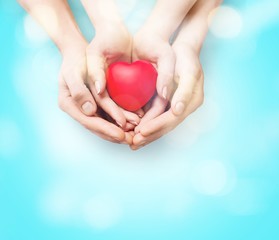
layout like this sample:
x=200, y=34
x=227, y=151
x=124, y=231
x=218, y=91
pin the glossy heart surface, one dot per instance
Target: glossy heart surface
x=131, y=85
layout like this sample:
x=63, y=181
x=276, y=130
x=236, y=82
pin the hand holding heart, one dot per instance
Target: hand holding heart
x=112, y=109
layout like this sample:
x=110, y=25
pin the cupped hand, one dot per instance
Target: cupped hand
x=187, y=98
x=112, y=43
x=150, y=46
x=76, y=99
x=98, y=124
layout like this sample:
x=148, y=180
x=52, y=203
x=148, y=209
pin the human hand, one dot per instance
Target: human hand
x=188, y=76
x=152, y=43
x=97, y=124
x=112, y=42
x=187, y=98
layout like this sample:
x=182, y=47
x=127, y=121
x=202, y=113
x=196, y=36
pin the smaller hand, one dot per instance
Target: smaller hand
x=112, y=43
x=153, y=48
x=186, y=99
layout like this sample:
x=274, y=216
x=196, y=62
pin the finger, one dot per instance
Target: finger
x=183, y=94
x=131, y=117
x=109, y=106
x=96, y=71
x=99, y=126
x=140, y=112
x=129, y=127
x=165, y=68
x=158, y=107
x=128, y=138
x=168, y=121
x=140, y=141
x=81, y=94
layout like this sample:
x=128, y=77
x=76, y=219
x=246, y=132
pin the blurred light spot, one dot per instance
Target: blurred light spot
x=10, y=138
x=58, y=204
x=210, y=177
x=248, y=198
x=33, y=31
x=206, y=118
x=182, y=137
x=71, y=145
x=256, y=21
x=45, y=68
x=102, y=212
x=225, y=22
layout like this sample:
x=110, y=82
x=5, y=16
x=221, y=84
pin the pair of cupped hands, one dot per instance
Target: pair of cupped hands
x=82, y=81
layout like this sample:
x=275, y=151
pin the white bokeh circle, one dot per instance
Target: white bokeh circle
x=102, y=211
x=225, y=22
x=210, y=177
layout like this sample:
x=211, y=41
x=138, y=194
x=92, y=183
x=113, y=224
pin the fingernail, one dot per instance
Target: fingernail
x=119, y=124
x=134, y=122
x=98, y=87
x=165, y=93
x=179, y=108
x=87, y=108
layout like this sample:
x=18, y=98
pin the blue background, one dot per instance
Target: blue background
x=214, y=177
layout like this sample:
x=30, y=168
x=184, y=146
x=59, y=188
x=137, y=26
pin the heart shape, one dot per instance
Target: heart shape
x=131, y=85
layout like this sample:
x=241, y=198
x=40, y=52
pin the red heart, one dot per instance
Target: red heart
x=131, y=86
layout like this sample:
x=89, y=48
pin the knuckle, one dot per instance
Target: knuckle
x=78, y=94
x=165, y=76
x=197, y=71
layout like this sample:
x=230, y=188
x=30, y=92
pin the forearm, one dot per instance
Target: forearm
x=167, y=16
x=102, y=13
x=57, y=19
x=194, y=28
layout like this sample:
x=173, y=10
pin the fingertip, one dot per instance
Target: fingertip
x=140, y=113
x=97, y=87
x=88, y=108
x=134, y=148
x=119, y=136
x=165, y=92
x=178, y=108
x=128, y=138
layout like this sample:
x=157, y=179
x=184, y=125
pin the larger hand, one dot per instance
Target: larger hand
x=187, y=98
x=188, y=76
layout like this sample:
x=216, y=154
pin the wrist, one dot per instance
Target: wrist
x=192, y=44
x=73, y=45
x=161, y=28
x=167, y=16
x=102, y=13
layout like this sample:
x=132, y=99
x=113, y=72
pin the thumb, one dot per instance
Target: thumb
x=81, y=95
x=96, y=72
x=182, y=95
x=165, y=66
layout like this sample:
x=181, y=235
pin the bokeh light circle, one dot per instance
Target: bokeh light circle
x=225, y=22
